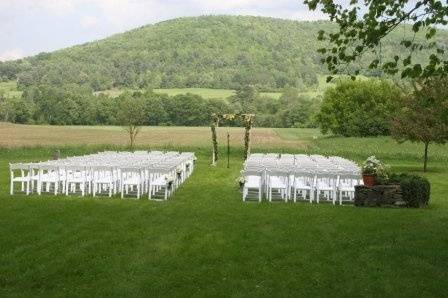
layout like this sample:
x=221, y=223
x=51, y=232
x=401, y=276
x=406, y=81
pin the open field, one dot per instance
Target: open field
x=17, y=135
x=9, y=89
x=204, y=92
x=206, y=242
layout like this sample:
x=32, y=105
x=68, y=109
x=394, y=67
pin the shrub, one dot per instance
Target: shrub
x=415, y=189
x=358, y=108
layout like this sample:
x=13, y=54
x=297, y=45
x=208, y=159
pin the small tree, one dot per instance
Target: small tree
x=131, y=115
x=423, y=115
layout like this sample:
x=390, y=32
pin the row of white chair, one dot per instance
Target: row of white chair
x=300, y=185
x=293, y=177
x=106, y=173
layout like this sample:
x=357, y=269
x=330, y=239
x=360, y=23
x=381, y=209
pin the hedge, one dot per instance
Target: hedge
x=415, y=189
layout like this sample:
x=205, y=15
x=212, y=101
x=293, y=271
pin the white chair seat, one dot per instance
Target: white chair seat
x=299, y=184
x=132, y=181
x=104, y=180
x=324, y=187
x=346, y=188
x=253, y=182
x=21, y=179
x=276, y=182
x=159, y=181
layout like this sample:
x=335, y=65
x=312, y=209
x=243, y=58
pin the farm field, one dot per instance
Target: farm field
x=205, y=241
x=207, y=93
x=18, y=135
x=9, y=89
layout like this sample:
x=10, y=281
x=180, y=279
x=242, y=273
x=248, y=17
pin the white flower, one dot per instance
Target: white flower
x=179, y=170
x=169, y=178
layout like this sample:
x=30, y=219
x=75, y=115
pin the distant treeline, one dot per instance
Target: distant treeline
x=75, y=105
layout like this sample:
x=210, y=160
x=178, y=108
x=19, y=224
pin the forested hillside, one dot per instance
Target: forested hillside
x=213, y=51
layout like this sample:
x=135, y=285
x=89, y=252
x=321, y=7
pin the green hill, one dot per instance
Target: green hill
x=222, y=52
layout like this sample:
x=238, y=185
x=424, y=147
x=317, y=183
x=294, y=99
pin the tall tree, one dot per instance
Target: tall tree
x=364, y=24
x=423, y=116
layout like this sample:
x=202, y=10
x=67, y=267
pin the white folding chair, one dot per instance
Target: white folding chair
x=24, y=179
x=277, y=180
x=50, y=176
x=131, y=177
x=77, y=177
x=160, y=179
x=253, y=181
x=104, y=177
x=326, y=186
x=346, y=187
x=303, y=184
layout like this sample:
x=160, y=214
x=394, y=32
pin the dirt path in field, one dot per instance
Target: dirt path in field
x=16, y=135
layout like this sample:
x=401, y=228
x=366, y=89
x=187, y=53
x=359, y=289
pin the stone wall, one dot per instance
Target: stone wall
x=378, y=196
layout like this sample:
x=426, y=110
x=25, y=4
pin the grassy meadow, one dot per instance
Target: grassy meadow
x=9, y=89
x=205, y=241
x=207, y=93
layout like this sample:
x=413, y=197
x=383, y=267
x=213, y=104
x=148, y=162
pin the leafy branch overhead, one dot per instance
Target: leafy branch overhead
x=363, y=25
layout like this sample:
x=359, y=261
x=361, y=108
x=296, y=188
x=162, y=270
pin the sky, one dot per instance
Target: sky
x=28, y=27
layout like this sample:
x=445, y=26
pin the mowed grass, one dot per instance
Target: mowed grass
x=206, y=242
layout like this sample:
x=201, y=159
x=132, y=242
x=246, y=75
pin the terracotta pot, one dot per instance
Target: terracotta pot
x=369, y=180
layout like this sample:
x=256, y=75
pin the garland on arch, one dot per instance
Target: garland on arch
x=248, y=121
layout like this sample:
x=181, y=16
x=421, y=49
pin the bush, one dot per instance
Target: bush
x=358, y=108
x=415, y=189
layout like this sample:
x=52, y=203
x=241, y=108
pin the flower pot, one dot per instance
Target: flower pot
x=369, y=180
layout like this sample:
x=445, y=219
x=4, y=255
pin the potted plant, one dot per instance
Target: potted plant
x=373, y=171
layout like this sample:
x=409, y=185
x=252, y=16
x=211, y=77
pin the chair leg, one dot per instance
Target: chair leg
x=28, y=187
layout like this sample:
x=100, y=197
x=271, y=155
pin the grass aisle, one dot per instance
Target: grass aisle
x=207, y=242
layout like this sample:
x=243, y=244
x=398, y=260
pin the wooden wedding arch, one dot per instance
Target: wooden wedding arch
x=247, y=120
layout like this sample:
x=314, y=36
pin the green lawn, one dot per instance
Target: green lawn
x=206, y=242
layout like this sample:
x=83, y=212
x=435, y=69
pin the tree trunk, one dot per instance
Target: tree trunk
x=132, y=135
x=425, y=160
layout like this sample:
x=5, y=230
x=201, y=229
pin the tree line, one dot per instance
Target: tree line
x=76, y=105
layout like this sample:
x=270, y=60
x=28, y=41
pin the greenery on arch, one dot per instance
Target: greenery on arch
x=246, y=119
